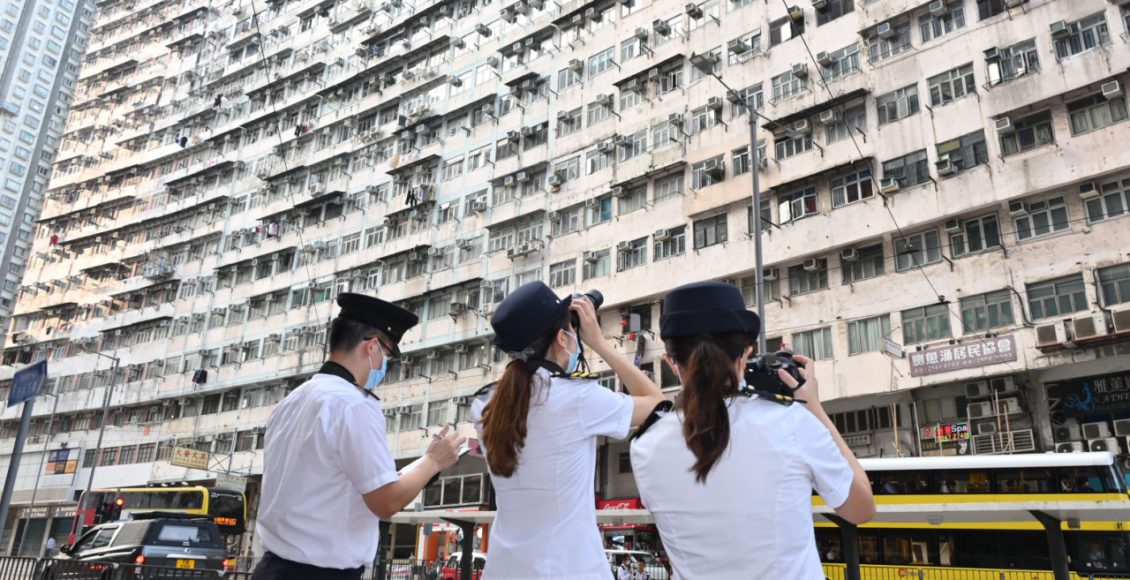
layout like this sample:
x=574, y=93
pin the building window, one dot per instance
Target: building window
x=1017, y=60
x=917, y=250
x=880, y=48
x=598, y=263
x=797, y=205
x=808, y=277
x=567, y=78
x=851, y=188
x=672, y=242
x=790, y=145
x=834, y=9
x=854, y=118
x=975, y=235
x=715, y=55
x=1083, y=35
x=744, y=47
x=636, y=145
x=703, y=118
x=571, y=123
x=897, y=105
x=787, y=86
x=600, y=211
x=937, y=26
x=868, y=335
x=926, y=324
x=755, y=94
x=1095, y=112
x=990, y=8
x=598, y=112
x=784, y=29
x=562, y=273
x=1113, y=200
x=951, y=85
x=965, y=152
x=633, y=255
x=597, y=160
x=1028, y=133
x=844, y=62
x=868, y=264
x=634, y=200
x=708, y=172
x=601, y=62
x=1114, y=284
x=669, y=186
x=710, y=231
x=986, y=311
x=909, y=170
x=1041, y=218
x=1057, y=297
x=814, y=344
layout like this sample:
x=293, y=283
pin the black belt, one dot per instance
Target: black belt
x=272, y=567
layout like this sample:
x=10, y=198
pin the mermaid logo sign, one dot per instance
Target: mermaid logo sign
x=1094, y=395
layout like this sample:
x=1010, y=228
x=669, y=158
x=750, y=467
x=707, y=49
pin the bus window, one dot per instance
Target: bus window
x=868, y=548
x=965, y=481
x=1031, y=480
x=945, y=550
x=1089, y=479
x=896, y=551
x=1100, y=552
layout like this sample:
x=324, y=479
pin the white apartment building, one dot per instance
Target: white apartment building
x=41, y=46
x=943, y=184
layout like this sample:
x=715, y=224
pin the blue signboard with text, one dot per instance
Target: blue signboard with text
x=28, y=382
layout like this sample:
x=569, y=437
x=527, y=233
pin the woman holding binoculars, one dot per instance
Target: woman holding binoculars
x=539, y=428
x=729, y=474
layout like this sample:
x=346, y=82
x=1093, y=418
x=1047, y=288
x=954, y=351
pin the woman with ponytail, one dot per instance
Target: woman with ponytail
x=539, y=426
x=728, y=475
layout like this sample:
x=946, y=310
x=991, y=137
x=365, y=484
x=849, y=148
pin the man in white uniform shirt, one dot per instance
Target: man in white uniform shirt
x=328, y=473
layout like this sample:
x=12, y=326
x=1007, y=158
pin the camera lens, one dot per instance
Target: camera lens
x=596, y=298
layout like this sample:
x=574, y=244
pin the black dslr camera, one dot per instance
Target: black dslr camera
x=594, y=296
x=761, y=376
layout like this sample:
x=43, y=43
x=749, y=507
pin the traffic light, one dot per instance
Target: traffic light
x=116, y=511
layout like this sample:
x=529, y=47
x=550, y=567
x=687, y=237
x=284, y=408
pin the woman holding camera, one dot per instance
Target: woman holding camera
x=539, y=429
x=729, y=474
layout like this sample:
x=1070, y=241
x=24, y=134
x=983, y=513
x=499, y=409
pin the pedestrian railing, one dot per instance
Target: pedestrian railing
x=16, y=568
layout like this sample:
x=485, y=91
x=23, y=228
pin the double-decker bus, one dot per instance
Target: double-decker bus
x=228, y=509
x=1094, y=545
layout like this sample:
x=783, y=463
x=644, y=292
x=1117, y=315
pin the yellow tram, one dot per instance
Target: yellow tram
x=1000, y=516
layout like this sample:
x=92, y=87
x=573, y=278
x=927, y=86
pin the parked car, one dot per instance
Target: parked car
x=654, y=568
x=451, y=566
x=154, y=548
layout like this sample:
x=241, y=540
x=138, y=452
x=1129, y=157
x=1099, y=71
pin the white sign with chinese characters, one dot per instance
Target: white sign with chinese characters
x=972, y=354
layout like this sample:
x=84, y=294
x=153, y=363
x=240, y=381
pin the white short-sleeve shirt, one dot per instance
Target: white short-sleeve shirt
x=753, y=516
x=325, y=448
x=545, y=526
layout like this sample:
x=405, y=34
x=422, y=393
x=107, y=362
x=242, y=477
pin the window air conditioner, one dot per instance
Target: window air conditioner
x=849, y=255
x=1053, y=334
x=1096, y=430
x=1069, y=432
x=811, y=265
x=1108, y=444
x=1091, y=326
x=1069, y=447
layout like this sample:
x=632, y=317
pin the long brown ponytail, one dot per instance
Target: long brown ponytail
x=504, y=417
x=708, y=379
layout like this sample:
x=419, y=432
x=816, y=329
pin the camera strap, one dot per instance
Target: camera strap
x=779, y=398
x=555, y=371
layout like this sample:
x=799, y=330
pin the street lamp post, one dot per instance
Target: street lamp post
x=39, y=471
x=101, y=433
x=705, y=62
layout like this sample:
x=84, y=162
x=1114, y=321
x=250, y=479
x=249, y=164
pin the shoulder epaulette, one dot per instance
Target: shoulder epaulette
x=656, y=415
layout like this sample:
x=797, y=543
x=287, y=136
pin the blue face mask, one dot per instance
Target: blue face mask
x=376, y=375
x=574, y=357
